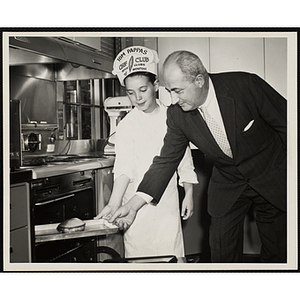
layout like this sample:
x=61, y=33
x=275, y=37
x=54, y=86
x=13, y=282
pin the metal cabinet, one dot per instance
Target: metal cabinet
x=104, y=45
x=104, y=185
x=94, y=42
x=20, y=241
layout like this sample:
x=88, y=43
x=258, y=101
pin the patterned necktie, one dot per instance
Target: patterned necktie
x=216, y=131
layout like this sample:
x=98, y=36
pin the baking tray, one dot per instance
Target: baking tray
x=48, y=232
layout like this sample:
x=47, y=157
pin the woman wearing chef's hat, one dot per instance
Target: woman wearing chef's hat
x=139, y=137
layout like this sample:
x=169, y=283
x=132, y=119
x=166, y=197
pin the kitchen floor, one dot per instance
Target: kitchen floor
x=204, y=258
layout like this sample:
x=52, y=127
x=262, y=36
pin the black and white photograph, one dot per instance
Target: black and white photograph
x=150, y=150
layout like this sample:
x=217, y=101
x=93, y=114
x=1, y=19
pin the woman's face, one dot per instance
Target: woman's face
x=141, y=92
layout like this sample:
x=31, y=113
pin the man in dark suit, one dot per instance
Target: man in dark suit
x=238, y=121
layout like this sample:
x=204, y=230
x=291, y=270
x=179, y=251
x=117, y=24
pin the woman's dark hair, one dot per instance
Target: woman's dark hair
x=150, y=76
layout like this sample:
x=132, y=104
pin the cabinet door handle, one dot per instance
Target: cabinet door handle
x=96, y=61
x=82, y=182
x=54, y=200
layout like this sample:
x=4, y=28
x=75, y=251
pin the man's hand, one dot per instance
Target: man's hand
x=124, y=217
x=126, y=214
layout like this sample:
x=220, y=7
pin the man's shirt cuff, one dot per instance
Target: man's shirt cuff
x=146, y=197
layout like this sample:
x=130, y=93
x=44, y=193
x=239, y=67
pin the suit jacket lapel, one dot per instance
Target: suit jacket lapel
x=203, y=138
x=227, y=109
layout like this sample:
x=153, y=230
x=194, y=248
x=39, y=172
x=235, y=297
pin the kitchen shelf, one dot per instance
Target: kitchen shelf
x=48, y=232
x=39, y=126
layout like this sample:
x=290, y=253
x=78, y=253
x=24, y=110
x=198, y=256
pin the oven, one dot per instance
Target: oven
x=15, y=152
x=58, y=198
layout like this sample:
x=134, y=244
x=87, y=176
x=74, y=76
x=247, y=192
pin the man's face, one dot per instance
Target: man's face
x=187, y=94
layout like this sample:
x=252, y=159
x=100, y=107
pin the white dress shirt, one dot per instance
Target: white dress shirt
x=212, y=107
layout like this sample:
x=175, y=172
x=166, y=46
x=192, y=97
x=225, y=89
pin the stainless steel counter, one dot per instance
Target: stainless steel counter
x=61, y=168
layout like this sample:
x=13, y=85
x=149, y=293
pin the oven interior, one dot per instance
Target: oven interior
x=60, y=198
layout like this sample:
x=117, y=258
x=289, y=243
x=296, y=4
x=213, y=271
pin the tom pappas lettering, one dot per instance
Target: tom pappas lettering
x=121, y=55
x=131, y=50
x=138, y=50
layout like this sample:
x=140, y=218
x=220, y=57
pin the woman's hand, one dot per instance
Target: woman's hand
x=107, y=212
x=119, y=188
x=187, y=209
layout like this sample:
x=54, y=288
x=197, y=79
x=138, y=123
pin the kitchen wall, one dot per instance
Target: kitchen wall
x=266, y=57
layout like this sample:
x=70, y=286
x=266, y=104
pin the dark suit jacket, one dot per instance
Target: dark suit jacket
x=259, y=154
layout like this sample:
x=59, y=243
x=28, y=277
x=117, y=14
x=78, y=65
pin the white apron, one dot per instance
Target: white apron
x=156, y=229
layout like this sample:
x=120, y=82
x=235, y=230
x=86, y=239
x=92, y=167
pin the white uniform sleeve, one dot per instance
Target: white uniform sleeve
x=186, y=169
x=123, y=162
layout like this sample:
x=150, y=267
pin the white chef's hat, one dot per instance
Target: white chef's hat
x=135, y=59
